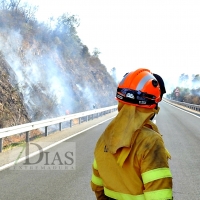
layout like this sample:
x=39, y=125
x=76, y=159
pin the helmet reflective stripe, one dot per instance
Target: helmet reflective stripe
x=144, y=80
x=122, y=81
x=142, y=83
x=156, y=174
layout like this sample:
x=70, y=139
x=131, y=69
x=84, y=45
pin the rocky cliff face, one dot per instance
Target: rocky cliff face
x=46, y=73
x=12, y=108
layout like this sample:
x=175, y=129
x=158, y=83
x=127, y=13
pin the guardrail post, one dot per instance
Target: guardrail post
x=60, y=126
x=46, y=131
x=88, y=115
x=27, y=136
x=1, y=144
x=79, y=120
x=71, y=122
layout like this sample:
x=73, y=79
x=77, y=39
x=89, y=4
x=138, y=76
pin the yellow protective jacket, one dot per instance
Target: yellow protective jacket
x=130, y=159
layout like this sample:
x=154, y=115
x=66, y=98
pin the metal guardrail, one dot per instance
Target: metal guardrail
x=188, y=105
x=25, y=128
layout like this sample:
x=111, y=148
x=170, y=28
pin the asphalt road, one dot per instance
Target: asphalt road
x=55, y=184
x=181, y=134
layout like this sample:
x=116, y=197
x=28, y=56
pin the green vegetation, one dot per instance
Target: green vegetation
x=13, y=145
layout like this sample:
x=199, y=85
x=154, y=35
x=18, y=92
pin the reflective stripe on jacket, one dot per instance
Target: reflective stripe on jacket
x=145, y=174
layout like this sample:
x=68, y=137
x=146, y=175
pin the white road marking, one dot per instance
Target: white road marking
x=182, y=110
x=50, y=146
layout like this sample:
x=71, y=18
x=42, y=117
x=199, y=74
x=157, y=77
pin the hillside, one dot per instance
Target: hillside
x=12, y=109
x=46, y=72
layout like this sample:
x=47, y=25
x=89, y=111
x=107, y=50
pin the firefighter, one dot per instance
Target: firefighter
x=130, y=158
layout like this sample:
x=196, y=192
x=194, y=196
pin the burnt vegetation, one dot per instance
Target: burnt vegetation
x=45, y=69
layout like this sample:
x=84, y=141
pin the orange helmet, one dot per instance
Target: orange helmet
x=139, y=88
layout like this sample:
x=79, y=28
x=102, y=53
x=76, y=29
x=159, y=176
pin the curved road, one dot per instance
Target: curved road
x=181, y=134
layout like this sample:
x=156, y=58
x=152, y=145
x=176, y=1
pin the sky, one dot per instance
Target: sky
x=160, y=35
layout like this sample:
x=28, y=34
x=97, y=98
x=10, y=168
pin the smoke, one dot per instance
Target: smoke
x=41, y=80
x=189, y=81
x=182, y=80
x=113, y=72
x=89, y=95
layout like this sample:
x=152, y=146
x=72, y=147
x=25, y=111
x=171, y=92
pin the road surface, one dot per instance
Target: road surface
x=181, y=135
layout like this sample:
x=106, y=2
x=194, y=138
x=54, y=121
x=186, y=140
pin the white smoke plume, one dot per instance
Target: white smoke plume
x=36, y=71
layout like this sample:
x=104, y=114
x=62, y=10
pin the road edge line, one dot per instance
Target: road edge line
x=182, y=109
x=3, y=167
